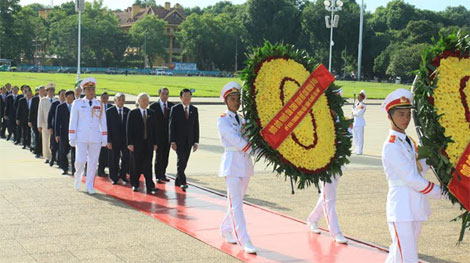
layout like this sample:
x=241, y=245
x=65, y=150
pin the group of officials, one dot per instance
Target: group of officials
x=125, y=140
x=79, y=132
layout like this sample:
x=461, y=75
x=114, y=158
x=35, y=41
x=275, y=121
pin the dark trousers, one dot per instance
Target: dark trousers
x=38, y=141
x=11, y=127
x=141, y=163
x=65, y=148
x=103, y=160
x=18, y=133
x=55, y=149
x=183, y=152
x=3, y=127
x=116, y=154
x=161, y=161
x=26, y=133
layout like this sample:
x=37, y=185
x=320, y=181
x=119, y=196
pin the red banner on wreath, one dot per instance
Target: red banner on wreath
x=293, y=112
x=459, y=185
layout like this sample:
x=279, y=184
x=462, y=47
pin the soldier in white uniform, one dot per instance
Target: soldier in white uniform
x=88, y=133
x=326, y=205
x=236, y=167
x=43, y=111
x=407, y=202
x=359, y=122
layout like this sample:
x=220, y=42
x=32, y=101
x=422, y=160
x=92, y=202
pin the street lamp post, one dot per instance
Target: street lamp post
x=332, y=21
x=80, y=7
x=359, y=53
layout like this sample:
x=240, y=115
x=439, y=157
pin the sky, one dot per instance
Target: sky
x=371, y=5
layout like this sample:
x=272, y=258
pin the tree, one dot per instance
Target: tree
x=404, y=62
x=273, y=20
x=32, y=31
x=145, y=2
x=149, y=35
x=8, y=36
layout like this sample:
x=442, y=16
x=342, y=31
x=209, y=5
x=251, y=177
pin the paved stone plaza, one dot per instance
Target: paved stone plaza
x=43, y=219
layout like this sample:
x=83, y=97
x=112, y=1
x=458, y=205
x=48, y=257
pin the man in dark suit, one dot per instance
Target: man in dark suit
x=184, y=134
x=116, y=118
x=61, y=131
x=104, y=152
x=10, y=113
x=3, y=104
x=162, y=110
x=22, y=114
x=50, y=126
x=18, y=130
x=141, y=142
x=33, y=121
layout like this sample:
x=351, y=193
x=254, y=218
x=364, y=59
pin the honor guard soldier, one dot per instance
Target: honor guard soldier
x=88, y=133
x=326, y=203
x=236, y=167
x=359, y=122
x=407, y=202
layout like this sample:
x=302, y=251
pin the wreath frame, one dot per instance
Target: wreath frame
x=253, y=128
x=430, y=132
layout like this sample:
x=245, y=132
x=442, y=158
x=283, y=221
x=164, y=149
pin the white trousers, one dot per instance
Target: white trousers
x=86, y=153
x=46, y=144
x=234, y=220
x=358, y=137
x=404, y=247
x=326, y=205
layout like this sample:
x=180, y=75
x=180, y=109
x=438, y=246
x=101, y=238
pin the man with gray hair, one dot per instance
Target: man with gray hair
x=141, y=142
x=116, y=118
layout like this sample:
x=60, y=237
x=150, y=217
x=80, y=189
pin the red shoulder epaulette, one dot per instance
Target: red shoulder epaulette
x=223, y=114
x=392, y=138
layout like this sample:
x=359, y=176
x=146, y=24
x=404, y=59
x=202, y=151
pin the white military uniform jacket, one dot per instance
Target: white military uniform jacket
x=407, y=188
x=236, y=160
x=358, y=113
x=88, y=123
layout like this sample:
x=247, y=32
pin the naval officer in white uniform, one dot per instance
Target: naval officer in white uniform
x=88, y=133
x=236, y=167
x=359, y=122
x=408, y=190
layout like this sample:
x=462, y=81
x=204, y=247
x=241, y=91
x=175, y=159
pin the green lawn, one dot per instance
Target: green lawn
x=134, y=84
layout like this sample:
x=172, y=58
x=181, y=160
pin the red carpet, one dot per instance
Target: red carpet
x=278, y=238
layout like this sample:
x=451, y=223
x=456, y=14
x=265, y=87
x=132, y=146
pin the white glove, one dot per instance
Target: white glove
x=73, y=143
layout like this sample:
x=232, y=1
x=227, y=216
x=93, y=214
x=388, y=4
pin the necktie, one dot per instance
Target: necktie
x=145, y=125
x=51, y=100
x=238, y=119
x=120, y=114
x=186, y=113
x=409, y=142
x=89, y=102
x=165, y=110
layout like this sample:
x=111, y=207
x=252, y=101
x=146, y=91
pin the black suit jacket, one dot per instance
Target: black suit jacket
x=184, y=131
x=3, y=104
x=10, y=109
x=51, y=114
x=162, y=122
x=135, y=128
x=33, y=111
x=22, y=112
x=117, y=128
x=61, y=122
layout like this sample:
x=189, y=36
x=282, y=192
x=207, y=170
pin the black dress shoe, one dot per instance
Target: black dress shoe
x=152, y=191
x=47, y=161
x=124, y=179
x=24, y=147
x=114, y=182
x=159, y=181
x=166, y=179
x=184, y=187
x=135, y=189
x=65, y=172
x=51, y=163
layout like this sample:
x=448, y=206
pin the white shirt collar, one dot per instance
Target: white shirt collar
x=142, y=110
x=400, y=135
